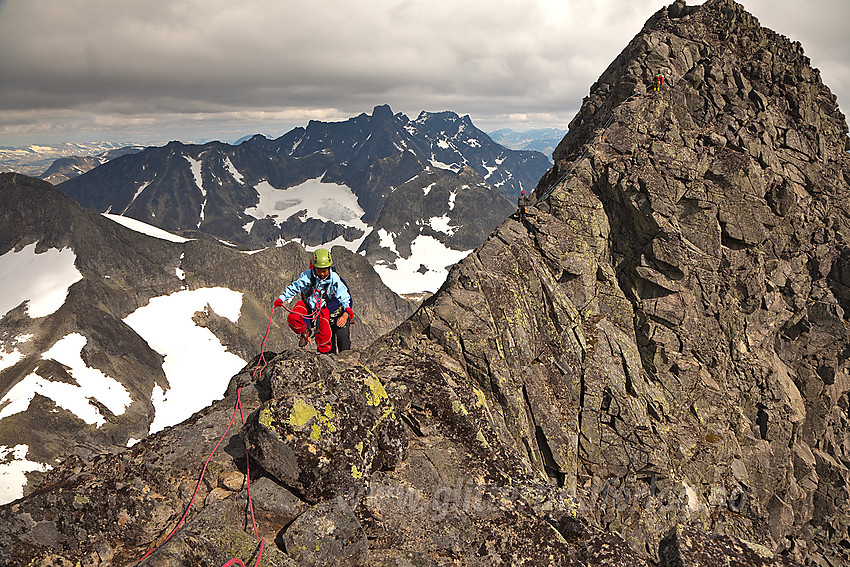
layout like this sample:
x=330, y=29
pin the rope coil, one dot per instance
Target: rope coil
x=315, y=315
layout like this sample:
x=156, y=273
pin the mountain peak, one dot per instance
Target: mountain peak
x=382, y=113
x=706, y=53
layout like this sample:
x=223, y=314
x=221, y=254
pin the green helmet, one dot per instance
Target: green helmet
x=322, y=258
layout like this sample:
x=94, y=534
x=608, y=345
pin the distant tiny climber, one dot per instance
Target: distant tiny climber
x=522, y=202
x=657, y=82
x=324, y=309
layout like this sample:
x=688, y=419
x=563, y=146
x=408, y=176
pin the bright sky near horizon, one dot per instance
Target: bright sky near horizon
x=149, y=72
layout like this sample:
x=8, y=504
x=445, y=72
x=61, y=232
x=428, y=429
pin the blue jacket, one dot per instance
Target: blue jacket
x=334, y=291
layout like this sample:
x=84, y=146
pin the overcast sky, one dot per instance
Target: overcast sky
x=157, y=70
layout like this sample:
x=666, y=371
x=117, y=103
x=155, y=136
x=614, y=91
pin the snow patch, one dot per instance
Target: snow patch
x=427, y=190
x=195, y=166
x=441, y=165
x=13, y=468
x=387, y=240
x=145, y=228
x=9, y=359
x=407, y=275
x=91, y=384
x=141, y=188
x=233, y=171
x=323, y=201
x=442, y=224
x=196, y=364
x=41, y=279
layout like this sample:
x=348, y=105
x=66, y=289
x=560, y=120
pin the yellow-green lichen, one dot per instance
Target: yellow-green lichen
x=376, y=393
x=266, y=417
x=301, y=413
x=457, y=407
x=482, y=399
x=355, y=472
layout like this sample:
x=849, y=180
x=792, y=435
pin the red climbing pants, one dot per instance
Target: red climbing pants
x=296, y=322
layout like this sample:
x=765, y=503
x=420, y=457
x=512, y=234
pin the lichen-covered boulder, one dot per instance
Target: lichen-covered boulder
x=687, y=546
x=324, y=429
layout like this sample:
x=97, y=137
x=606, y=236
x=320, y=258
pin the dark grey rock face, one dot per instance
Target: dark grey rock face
x=683, y=313
x=649, y=369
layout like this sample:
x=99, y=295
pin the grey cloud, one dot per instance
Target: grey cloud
x=240, y=67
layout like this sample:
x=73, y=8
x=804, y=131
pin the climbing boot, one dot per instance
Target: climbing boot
x=305, y=339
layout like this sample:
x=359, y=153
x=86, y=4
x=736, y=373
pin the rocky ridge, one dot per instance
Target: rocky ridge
x=647, y=368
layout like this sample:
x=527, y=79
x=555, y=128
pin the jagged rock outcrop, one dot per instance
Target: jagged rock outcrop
x=648, y=367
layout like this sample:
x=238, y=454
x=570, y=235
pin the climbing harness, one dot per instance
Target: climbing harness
x=313, y=317
x=257, y=371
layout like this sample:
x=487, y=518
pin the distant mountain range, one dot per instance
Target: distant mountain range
x=413, y=196
x=542, y=140
x=67, y=168
x=43, y=160
x=39, y=160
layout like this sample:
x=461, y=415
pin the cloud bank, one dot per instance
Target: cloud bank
x=85, y=70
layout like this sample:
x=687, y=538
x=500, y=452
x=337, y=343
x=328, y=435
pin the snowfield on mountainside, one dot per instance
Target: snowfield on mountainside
x=425, y=269
x=313, y=199
x=145, y=228
x=13, y=466
x=76, y=398
x=189, y=351
x=40, y=279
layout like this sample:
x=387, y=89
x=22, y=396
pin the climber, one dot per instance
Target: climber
x=522, y=202
x=325, y=300
x=657, y=82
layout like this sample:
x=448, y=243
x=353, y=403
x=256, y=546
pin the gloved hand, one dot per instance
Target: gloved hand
x=278, y=302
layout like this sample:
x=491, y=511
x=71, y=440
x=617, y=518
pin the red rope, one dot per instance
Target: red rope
x=262, y=353
x=238, y=406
